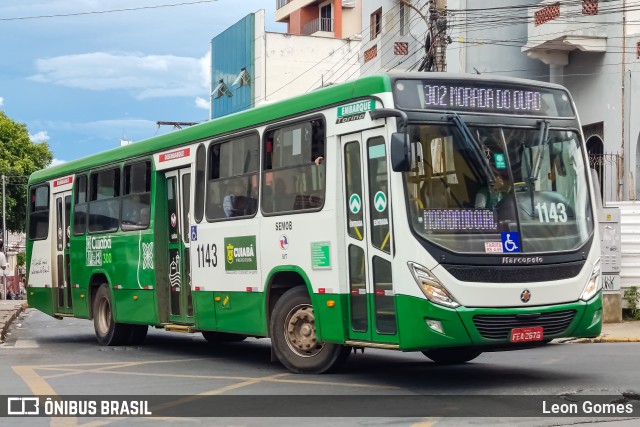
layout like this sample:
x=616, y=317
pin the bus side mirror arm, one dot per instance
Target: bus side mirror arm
x=400, y=147
x=383, y=113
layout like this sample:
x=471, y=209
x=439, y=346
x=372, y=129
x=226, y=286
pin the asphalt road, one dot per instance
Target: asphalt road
x=44, y=356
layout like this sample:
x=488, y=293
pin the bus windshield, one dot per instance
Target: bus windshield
x=535, y=198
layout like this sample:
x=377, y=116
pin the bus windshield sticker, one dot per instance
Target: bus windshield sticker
x=493, y=247
x=241, y=255
x=321, y=255
x=194, y=233
x=510, y=241
x=499, y=161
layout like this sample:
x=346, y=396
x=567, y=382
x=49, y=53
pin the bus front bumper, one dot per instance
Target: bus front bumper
x=423, y=325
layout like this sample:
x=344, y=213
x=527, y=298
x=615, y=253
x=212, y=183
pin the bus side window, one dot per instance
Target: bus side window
x=136, y=205
x=80, y=208
x=39, y=213
x=104, y=201
x=294, y=168
x=232, y=188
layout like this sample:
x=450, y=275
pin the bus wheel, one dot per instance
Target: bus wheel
x=293, y=336
x=108, y=332
x=217, y=337
x=452, y=356
x=138, y=334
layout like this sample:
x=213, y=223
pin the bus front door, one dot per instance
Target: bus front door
x=62, y=289
x=180, y=298
x=369, y=240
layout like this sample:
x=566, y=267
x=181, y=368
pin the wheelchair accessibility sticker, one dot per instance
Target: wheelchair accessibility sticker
x=510, y=241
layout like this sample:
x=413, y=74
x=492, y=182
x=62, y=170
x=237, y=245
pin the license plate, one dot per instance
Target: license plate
x=533, y=333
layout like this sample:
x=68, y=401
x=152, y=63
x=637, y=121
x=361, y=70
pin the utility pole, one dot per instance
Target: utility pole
x=439, y=34
x=435, y=58
x=4, y=240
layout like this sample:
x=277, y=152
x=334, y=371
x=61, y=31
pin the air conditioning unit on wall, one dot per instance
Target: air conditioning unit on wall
x=348, y=3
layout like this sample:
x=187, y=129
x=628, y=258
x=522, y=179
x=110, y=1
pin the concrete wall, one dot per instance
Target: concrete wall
x=494, y=41
x=352, y=20
x=298, y=64
x=595, y=81
x=476, y=43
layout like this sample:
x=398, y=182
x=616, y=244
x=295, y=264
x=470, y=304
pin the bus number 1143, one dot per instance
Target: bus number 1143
x=207, y=255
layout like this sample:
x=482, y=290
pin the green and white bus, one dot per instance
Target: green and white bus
x=441, y=213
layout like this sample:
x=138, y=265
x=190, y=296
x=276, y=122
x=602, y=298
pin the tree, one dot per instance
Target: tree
x=19, y=157
x=21, y=259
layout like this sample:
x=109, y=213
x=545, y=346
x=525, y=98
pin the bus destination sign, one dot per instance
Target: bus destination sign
x=456, y=97
x=482, y=97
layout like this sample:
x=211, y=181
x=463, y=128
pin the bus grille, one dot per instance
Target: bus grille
x=520, y=274
x=498, y=327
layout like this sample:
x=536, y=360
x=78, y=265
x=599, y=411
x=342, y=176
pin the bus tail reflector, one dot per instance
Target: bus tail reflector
x=197, y=288
x=117, y=287
x=76, y=286
x=252, y=289
x=331, y=303
x=148, y=287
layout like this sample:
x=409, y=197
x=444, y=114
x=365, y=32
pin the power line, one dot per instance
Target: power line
x=97, y=12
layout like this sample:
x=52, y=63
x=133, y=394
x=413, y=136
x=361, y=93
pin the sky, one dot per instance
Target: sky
x=84, y=81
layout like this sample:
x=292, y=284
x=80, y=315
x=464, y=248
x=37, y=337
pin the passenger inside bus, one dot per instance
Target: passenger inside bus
x=236, y=202
x=489, y=196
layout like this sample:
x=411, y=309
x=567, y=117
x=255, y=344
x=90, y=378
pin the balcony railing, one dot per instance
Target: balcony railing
x=281, y=3
x=320, y=24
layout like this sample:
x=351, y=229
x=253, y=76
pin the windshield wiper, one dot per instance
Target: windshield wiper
x=472, y=145
x=543, y=136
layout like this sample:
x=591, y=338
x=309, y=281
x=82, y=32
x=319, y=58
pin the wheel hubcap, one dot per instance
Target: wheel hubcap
x=300, y=331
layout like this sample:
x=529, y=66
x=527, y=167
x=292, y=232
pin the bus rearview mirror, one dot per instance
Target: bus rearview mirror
x=400, y=152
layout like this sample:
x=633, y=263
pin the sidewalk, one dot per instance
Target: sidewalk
x=616, y=332
x=611, y=332
x=9, y=310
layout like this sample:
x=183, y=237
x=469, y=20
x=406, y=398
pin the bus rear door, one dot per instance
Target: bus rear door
x=61, y=281
x=369, y=238
x=178, y=193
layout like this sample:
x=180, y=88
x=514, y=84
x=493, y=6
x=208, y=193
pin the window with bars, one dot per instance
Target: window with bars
x=376, y=23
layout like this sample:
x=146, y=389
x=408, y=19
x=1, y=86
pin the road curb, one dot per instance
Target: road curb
x=9, y=321
x=604, y=340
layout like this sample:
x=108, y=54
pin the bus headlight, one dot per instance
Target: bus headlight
x=594, y=284
x=431, y=286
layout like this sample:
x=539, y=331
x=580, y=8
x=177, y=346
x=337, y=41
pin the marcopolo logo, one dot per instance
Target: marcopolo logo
x=241, y=253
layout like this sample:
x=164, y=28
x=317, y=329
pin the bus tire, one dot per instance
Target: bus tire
x=108, y=332
x=213, y=337
x=293, y=336
x=452, y=356
x=138, y=334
